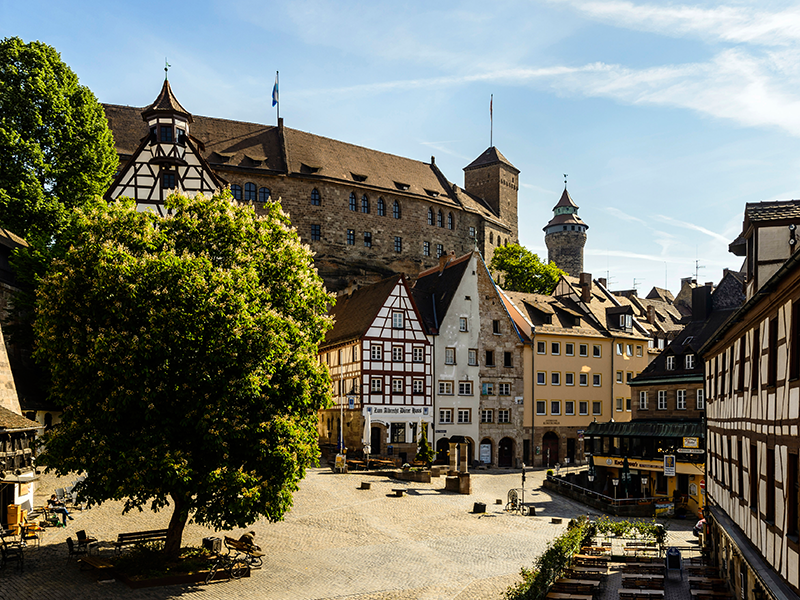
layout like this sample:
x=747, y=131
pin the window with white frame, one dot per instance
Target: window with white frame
x=445, y=415
x=583, y=408
x=619, y=349
x=689, y=361
x=701, y=400
x=376, y=352
x=555, y=407
x=628, y=404
x=569, y=407
x=472, y=357
x=629, y=349
x=670, y=363
x=541, y=407
x=597, y=381
x=463, y=324
x=597, y=407
x=397, y=385
x=487, y=416
x=487, y=389
x=464, y=415
x=465, y=388
x=662, y=399
x=555, y=378
x=541, y=378
x=503, y=415
x=419, y=386
x=376, y=385
x=541, y=348
x=583, y=378
x=583, y=349
x=569, y=349
x=642, y=400
x=504, y=389
x=397, y=353
x=446, y=388
x=397, y=320
x=619, y=376
x=418, y=354
x=597, y=351
x=555, y=348
x=569, y=378
x=681, y=400
x=639, y=349
x=620, y=404
x=449, y=356
x=628, y=377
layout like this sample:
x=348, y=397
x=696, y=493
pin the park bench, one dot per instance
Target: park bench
x=139, y=537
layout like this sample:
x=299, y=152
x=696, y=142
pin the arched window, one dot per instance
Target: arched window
x=353, y=201
x=439, y=219
x=264, y=194
x=236, y=190
x=364, y=204
x=396, y=209
x=430, y=216
x=316, y=199
x=381, y=207
x=449, y=220
x=491, y=237
x=250, y=192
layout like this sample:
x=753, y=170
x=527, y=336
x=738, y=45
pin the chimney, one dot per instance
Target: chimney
x=586, y=287
x=602, y=281
x=651, y=314
x=701, y=302
x=444, y=259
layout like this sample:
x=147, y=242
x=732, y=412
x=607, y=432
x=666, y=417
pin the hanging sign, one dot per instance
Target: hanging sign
x=669, y=465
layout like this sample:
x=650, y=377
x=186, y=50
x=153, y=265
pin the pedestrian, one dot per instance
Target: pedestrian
x=58, y=507
x=248, y=540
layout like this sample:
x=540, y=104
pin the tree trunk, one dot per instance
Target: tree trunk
x=172, y=547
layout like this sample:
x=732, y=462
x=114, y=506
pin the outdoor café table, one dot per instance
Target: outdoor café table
x=357, y=463
x=563, y=596
x=586, y=560
x=720, y=594
x=585, y=573
x=579, y=581
x=695, y=571
x=595, y=550
x=712, y=580
x=638, y=592
x=602, y=570
x=644, y=576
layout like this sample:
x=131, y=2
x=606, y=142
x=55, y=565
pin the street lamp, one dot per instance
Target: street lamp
x=644, y=485
x=615, y=481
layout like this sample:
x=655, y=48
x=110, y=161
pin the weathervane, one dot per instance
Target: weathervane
x=565, y=180
x=166, y=69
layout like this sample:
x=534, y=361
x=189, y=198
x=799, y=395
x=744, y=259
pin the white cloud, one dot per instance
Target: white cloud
x=620, y=214
x=693, y=227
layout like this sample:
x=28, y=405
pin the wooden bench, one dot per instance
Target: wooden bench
x=95, y=562
x=573, y=589
x=399, y=492
x=139, y=537
x=562, y=596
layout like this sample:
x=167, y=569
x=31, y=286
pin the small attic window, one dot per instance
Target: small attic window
x=432, y=193
x=402, y=186
x=688, y=340
x=304, y=168
x=358, y=177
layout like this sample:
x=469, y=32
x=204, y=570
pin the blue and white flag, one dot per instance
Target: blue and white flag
x=275, y=91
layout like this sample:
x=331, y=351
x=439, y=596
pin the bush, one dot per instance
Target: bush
x=549, y=472
x=148, y=561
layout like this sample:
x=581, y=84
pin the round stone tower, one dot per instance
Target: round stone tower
x=565, y=236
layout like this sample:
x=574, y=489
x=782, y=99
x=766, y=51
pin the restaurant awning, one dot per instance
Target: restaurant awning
x=658, y=429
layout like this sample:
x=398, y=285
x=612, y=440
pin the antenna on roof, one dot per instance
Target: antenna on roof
x=635, y=284
x=166, y=69
x=491, y=121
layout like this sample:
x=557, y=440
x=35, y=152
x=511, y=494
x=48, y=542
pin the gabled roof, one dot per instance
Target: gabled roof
x=490, y=156
x=11, y=420
x=772, y=210
x=662, y=294
x=435, y=289
x=166, y=103
x=354, y=313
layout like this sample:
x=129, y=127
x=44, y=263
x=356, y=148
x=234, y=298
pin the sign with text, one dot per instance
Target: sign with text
x=396, y=410
x=691, y=442
x=669, y=465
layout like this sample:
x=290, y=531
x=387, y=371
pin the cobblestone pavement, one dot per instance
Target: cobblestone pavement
x=337, y=542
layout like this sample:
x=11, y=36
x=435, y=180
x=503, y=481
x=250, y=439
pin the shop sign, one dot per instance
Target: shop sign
x=691, y=451
x=669, y=465
x=486, y=453
x=396, y=410
x=580, y=434
x=351, y=401
x=441, y=431
x=691, y=442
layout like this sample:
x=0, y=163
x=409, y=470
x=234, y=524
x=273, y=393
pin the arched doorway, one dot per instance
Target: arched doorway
x=443, y=450
x=505, y=452
x=375, y=440
x=550, y=449
x=485, y=451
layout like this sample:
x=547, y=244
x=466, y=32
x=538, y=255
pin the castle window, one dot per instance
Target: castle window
x=316, y=199
x=398, y=244
x=471, y=232
x=449, y=220
x=236, y=190
x=368, y=239
x=264, y=194
x=439, y=250
x=426, y=248
x=381, y=207
x=440, y=219
x=165, y=133
x=353, y=201
x=364, y=204
x=250, y=192
x=396, y=209
x=491, y=237
x=351, y=237
x=168, y=181
x=565, y=227
x=430, y=216
x=316, y=235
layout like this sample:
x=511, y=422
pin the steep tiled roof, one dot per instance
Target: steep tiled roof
x=434, y=289
x=354, y=312
x=166, y=102
x=11, y=420
x=662, y=294
x=10, y=239
x=490, y=156
x=772, y=211
x=552, y=315
x=568, y=219
x=565, y=200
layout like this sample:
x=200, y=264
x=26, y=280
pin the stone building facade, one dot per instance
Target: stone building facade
x=366, y=214
x=565, y=236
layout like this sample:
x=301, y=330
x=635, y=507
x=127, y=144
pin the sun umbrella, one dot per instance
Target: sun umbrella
x=591, y=472
x=366, y=437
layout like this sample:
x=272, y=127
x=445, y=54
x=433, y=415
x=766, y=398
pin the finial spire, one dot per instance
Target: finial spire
x=565, y=180
x=166, y=69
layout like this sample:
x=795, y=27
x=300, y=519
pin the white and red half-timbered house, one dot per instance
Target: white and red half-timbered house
x=380, y=363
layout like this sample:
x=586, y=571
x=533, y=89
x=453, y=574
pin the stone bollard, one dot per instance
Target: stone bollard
x=365, y=485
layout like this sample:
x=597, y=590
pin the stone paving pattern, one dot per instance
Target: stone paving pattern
x=338, y=541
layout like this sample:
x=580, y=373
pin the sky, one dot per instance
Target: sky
x=666, y=117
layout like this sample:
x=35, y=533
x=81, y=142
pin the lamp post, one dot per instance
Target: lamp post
x=644, y=486
x=615, y=481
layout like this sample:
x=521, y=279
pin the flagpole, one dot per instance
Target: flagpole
x=277, y=85
x=491, y=121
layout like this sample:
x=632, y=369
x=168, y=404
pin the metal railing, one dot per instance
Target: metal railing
x=609, y=499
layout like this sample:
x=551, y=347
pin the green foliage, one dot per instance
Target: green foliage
x=425, y=450
x=651, y=530
x=517, y=269
x=146, y=561
x=551, y=564
x=183, y=352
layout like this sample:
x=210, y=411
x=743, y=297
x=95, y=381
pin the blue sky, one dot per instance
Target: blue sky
x=667, y=117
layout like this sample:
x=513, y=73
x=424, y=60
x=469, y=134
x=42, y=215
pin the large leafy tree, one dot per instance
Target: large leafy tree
x=517, y=269
x=183, y=352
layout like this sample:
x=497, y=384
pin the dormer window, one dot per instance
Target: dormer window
x=181, y=136
x=670, y=363
x=165, y=133
x=689, y=361
x=153, y=136
x=359, y=178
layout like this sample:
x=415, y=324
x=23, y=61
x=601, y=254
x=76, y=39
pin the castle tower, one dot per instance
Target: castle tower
x=565, y=236
x=494, y=179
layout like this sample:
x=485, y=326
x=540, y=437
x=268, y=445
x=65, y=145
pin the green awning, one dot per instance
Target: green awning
x=657, y=429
